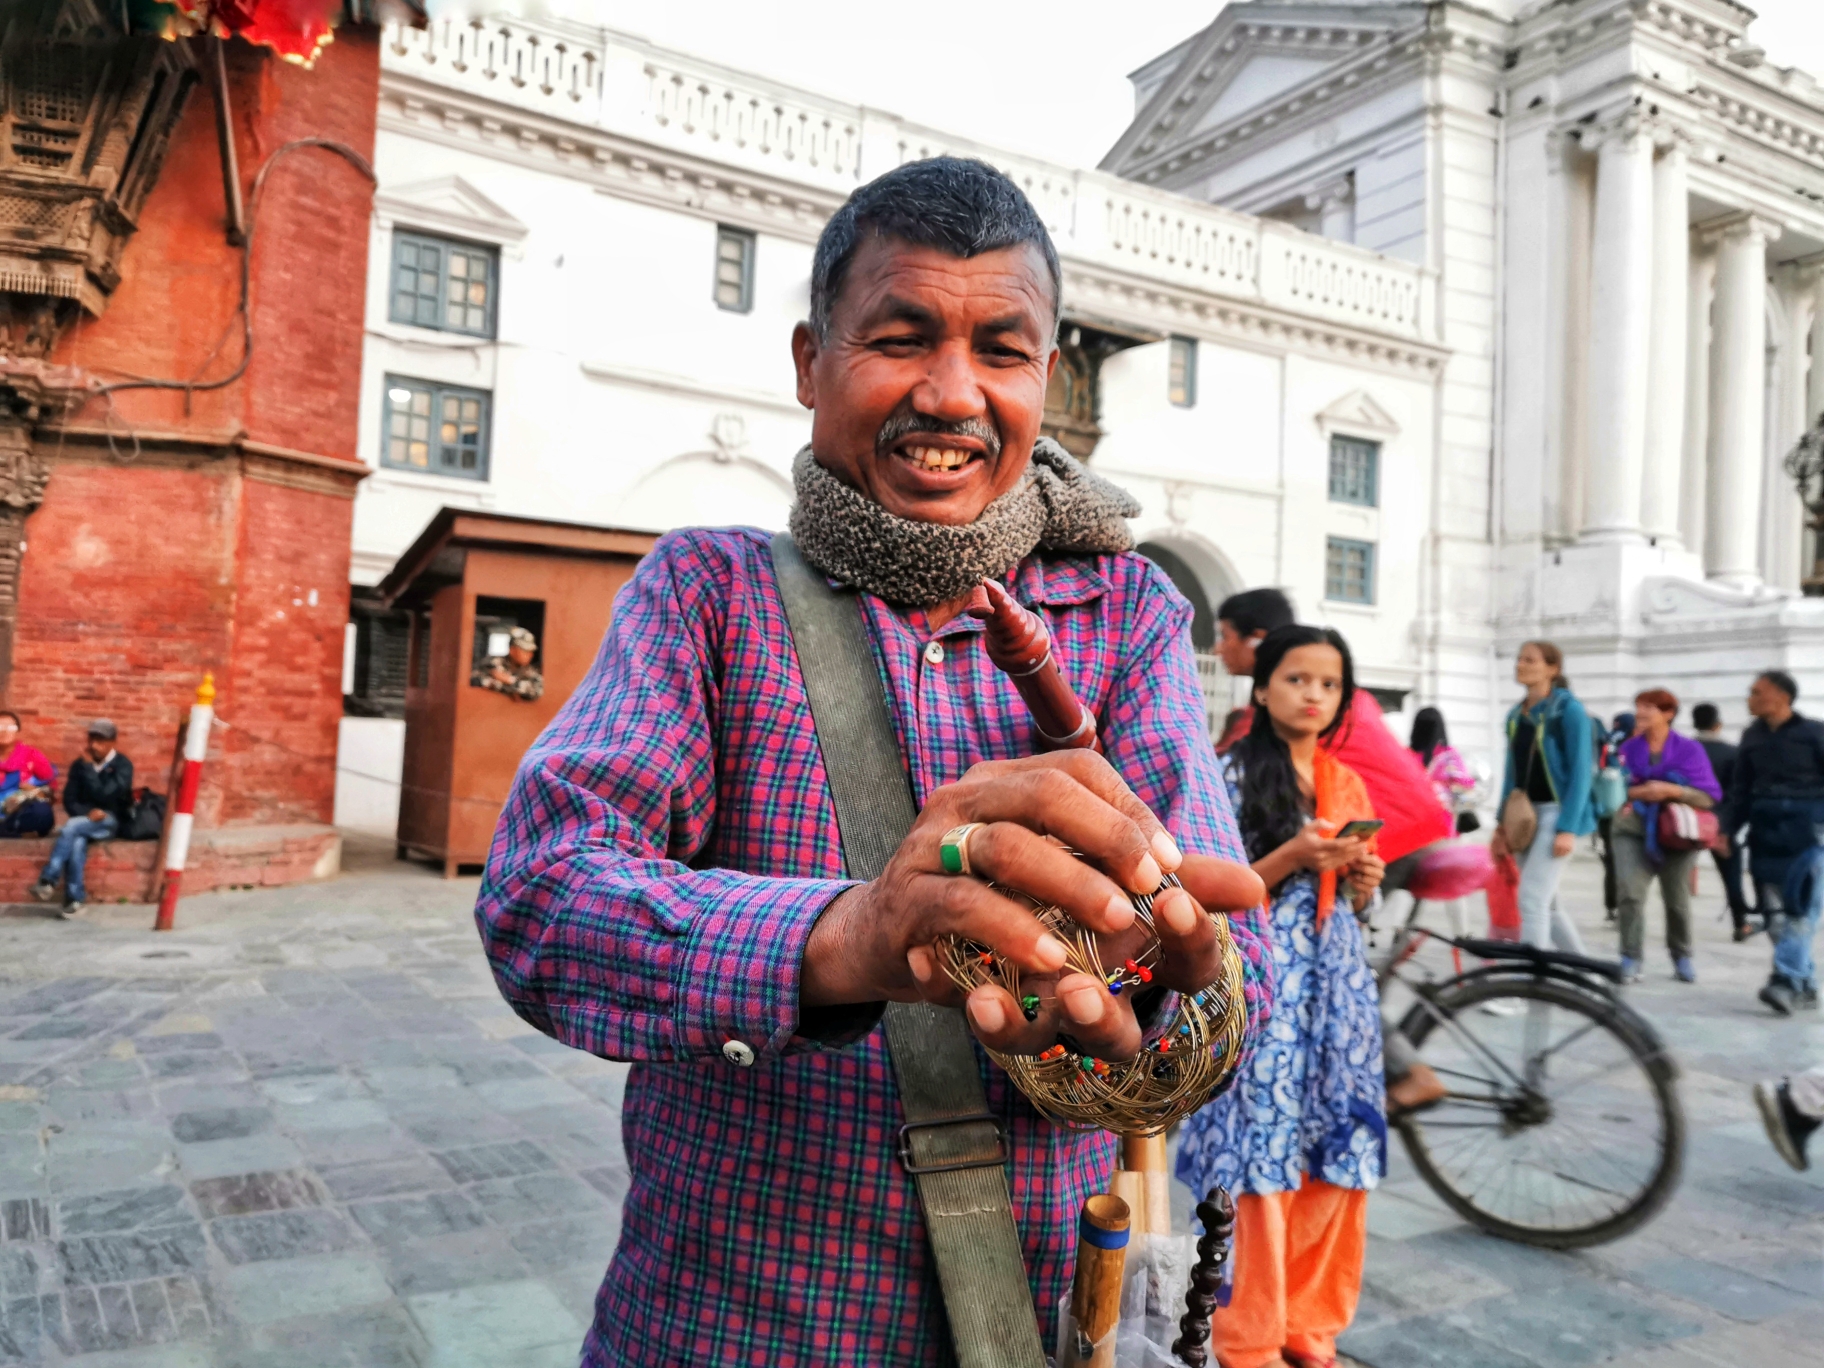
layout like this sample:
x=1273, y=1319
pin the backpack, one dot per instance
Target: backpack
x=146, y=818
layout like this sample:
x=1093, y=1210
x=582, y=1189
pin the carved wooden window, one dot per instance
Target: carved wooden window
x=438, y=283
x=734, y=270
x=436, y=429
x=1182, y=382
x=1355, y=471
x=1348, y=570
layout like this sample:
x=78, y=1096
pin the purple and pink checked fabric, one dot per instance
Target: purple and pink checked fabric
x=669, y=843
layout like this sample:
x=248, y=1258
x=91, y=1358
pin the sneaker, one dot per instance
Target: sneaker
x=1785, y=1127
x=43, y=892
x=1805, y=1000
x=1779, y=995
x=1630, y=970
x=72, y=909
x=1684, y=969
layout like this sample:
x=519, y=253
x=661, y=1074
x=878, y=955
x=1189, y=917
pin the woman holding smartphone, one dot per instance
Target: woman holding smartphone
x=1302, y=1136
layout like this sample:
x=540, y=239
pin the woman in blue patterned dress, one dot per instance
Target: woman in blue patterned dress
x=1302, y=1136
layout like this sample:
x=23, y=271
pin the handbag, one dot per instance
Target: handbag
x=1683, y=827
x=1609, y=792
x=1519, y=818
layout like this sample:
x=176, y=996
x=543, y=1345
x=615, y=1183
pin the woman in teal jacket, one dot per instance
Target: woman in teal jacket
x=1551, y=757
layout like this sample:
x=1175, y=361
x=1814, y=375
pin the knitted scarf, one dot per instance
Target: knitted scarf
x=1057, y=506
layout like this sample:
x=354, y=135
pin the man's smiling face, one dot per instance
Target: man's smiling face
x=928, y=391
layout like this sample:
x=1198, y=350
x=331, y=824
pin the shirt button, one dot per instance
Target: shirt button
x=738, y=1052
x=934, y=653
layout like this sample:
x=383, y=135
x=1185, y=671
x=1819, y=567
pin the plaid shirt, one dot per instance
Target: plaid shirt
x=669, y=843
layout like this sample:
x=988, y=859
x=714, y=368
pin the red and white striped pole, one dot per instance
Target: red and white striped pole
x=177, y=838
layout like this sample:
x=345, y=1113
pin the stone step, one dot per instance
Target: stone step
x=223, y=857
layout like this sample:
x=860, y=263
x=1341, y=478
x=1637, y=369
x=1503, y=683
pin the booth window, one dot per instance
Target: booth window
x=1348, y=570
x=449, y=286
x=1182, y=385
x=436, y=429
x=495, y=619
x=1355, y=471
x=734, y=270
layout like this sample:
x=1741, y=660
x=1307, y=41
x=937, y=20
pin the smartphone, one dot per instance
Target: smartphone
x=1357, y=831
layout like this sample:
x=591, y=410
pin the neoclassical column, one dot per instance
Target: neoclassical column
x=1334, y=201
x=1694, y=492
x=1738, y=399
x=1814, y=385
x=1621, y=311
x=1662, y=473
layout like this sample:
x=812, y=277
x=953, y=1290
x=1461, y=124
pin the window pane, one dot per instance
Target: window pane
x=1181, y=383
x=1349, y=570
x=1355, y=471
x=431, y=427
x=734, y=277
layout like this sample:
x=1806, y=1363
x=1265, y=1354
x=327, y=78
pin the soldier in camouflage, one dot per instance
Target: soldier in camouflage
x=513, y=674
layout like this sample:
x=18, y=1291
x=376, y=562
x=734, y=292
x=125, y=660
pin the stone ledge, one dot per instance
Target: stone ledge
x=263, y=856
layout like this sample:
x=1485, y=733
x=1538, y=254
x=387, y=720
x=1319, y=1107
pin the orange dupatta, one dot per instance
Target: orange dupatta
x=1340, y=797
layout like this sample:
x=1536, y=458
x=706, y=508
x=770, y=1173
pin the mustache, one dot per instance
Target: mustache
x=902, y=425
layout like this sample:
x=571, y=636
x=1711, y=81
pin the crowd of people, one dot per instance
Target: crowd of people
x=98, y=803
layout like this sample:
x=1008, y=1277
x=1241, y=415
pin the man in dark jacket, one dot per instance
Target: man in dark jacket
x=1709, y=724
x=97, y=795
x=1777, y=791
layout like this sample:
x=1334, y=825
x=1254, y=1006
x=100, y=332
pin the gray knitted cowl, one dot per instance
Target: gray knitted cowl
x=1057, y=506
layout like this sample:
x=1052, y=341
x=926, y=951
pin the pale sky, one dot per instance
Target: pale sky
x=1048, y=77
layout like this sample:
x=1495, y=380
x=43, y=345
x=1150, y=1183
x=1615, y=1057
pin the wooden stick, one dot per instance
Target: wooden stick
x=1145, y=1155
x=1130, y=1186
x=1095, y=1298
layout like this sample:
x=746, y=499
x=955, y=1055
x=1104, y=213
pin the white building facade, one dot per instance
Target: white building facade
x=1623, y=204
x=588, y=254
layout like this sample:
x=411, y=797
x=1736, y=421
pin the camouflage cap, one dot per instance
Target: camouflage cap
x=523, y=639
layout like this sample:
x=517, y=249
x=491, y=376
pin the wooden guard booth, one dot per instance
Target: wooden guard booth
x=467, y=580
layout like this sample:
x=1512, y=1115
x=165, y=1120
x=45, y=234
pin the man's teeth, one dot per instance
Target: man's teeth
x=938, y=458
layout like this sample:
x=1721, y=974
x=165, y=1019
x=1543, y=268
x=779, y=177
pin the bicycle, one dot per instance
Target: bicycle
x=1562, y=1127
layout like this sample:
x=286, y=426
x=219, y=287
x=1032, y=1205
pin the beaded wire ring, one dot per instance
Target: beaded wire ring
x=1188, y=1054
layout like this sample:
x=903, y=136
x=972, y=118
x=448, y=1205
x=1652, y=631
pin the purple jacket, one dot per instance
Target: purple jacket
x=1683, y=761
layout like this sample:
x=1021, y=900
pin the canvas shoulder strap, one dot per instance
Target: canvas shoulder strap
x=951, y=1144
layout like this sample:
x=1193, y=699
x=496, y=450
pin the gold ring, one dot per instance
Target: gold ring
x=953, y=850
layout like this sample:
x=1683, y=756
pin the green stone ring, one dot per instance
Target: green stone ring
x=953, y=850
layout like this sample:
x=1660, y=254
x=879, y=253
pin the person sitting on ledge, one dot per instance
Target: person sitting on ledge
x=26, y=776
x=97, y=796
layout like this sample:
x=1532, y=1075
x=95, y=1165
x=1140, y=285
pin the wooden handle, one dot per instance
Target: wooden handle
x=1095, y=1298
x=1145, y=1155
x=1020, y=646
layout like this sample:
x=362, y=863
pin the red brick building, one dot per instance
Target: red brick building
x=167, y=533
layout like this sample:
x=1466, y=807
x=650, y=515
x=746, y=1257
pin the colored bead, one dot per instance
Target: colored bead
x=1030, y=1006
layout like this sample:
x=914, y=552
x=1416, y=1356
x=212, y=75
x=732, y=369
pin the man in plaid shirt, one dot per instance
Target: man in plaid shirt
x=667, y=885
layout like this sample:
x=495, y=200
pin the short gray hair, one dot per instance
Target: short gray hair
x=955, y=204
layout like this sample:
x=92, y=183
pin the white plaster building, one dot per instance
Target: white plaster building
x=590, y=252
x=1623, y=203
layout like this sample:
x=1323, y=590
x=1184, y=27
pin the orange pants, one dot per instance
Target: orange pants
x=1298, y=1274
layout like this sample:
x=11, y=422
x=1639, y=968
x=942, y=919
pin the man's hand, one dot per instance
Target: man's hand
x=876, y=941
x=96, y=814
x=1563, y=844
x=499, y=674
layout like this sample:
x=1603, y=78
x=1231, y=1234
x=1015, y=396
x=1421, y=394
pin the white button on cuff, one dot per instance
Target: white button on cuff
x=738, y=1052
x=934, y=653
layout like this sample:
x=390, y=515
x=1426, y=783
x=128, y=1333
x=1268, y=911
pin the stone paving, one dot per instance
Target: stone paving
x=303, y=1131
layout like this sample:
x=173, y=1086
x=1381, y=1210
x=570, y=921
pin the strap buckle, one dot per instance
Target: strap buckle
x=913, y=1167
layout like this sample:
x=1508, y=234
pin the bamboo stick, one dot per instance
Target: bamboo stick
x=1095, y=1300
x=1145, y=1155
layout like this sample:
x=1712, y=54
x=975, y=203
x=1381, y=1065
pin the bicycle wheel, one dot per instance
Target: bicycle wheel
x=1562, y=1127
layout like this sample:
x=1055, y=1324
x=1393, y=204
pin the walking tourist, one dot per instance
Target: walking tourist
x=1303, y=1137
x=1450, y=778
x=1608, y=752
x=1663, y=769
x=26, y=776
x=98, y=796
x=1709, y=724
x=1792, y=1109
x=669, y=884
x=1777, y=792
x=1397, y=785
x=1545, y=793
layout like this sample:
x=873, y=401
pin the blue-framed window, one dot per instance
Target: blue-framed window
x=1348, y=570
x=435, y=429
x=438, y=283
x=1355, y=471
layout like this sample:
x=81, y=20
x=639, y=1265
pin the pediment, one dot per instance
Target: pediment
x=1251, y=56
x=1357, y=411
x=448, y=204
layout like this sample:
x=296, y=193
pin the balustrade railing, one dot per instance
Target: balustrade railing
x=622, y=85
